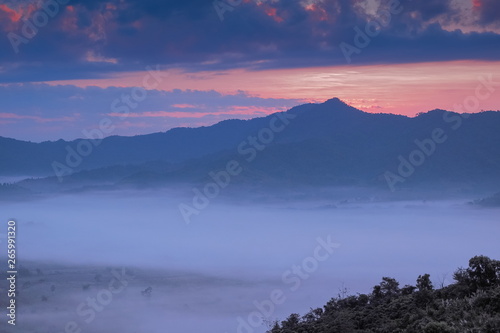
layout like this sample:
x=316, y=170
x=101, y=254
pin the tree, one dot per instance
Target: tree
x=377, y=292
x=389, y=286
x=437, y=327
x=424, y=283
x=461, y=276
x=447, y=309
x=292, y=322
x=276, y=328
x=408, y=290
x=483, y=272
x=312, y=315
x=425, y=287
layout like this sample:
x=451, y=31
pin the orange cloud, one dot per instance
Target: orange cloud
x=272, y=13
x=184, y=106
x=11, y=13
x=22, y=11
x=422, y=87
x=318, y=13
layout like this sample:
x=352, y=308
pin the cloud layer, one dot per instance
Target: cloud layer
x=88, y=39
x=41, y=111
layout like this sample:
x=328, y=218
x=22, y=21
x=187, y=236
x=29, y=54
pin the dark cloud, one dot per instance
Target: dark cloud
x=430, y=9
x=272, y=34
x=489, y=11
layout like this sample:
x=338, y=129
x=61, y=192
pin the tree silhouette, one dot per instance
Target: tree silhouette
x=471, y=304
x=424, y=282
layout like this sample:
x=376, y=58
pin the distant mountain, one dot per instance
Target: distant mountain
x=26, y=158
x=324, y=144
x=492, y=201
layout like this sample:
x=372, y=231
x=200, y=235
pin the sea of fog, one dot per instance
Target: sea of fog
x=233, y=261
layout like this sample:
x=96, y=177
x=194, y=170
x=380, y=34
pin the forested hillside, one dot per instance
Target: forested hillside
x=471, y=304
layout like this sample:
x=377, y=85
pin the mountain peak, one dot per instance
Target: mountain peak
x=334, y=101
x=337, y=105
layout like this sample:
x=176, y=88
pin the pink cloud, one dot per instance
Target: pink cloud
x=423, y=87
x=13, y=15
x=35, y=118
x=230, y=111
x=318, y=13
x=273, y=13
x=185, y=106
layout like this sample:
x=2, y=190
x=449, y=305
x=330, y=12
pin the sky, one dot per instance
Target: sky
x=151, y=65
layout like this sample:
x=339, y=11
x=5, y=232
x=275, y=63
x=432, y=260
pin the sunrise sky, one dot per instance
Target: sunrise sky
x=66, y=65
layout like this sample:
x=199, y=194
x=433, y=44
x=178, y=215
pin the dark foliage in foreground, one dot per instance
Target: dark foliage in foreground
x=471, y=304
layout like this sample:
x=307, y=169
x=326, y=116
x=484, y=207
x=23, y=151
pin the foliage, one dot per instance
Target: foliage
x=471, y=304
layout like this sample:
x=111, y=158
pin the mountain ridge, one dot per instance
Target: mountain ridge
x=327, y=144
